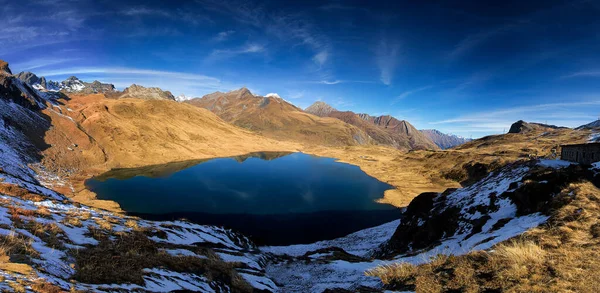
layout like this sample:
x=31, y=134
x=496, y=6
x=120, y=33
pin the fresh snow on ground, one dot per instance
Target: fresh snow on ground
x=594, y=137
x=556, y=164
x=360, y=243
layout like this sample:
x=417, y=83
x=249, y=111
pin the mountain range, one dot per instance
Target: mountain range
x=387, y=130
x=69, y=85
x=444, y=140
x=276, y=118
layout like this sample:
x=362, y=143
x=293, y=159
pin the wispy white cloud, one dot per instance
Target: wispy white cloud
x=290, y=27
x=127, y=71
x=387, y=59
x=584, y=73
x=250, y=48
x=570, y=114
x=295, y=94
x=145, y=11
x=320, y=58
x=411, y=92
x=339, y=81
x=224, y=35
x=40, y=63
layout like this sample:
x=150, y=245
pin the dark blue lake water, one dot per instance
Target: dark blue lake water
x=274, y=198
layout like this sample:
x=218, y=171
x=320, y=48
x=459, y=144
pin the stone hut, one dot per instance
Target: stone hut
x=585, y=153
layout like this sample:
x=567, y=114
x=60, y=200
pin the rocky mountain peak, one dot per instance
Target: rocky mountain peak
x=524, y=127
x=320, y=109
x=4, y=68
x=32, y=79
x=151, y=93
x=242, y=93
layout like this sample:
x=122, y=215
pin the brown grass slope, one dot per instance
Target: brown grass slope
x=275, y=118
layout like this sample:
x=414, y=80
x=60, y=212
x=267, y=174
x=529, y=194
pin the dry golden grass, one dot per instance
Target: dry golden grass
x=520, y=253
x=17, y=212
x=560, y=256
x=16, y=287
x=103, y=224
x=15, y=254
x=72, y=221
x=122, y=261
x=132, y=224
x=393, y=272
x=42, y=286
x=43, y=211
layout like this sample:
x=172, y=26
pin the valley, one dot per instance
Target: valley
x=61, y=147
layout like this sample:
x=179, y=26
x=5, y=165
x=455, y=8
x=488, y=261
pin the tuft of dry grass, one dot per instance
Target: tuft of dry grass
x=393, y=272
x=520, y=252
x=72, y=221
x=132, y=224
x=42, y=286
x=103, y=224
x=44, y=212
x=17, y=288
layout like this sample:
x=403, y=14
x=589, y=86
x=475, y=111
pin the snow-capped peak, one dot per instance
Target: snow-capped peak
x=273, y=95
x=182, y=98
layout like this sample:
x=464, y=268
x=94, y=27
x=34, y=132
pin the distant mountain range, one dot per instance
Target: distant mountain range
x=443, y=140
x=69, y=85
x=385, y=130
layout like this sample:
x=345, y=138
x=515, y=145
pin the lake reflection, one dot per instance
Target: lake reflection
x=275, y=198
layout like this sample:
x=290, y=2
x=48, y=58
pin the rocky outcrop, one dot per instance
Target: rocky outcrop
x=32, y=80
x=320, y=109
x=443, y=140
x=151, y=93
x=18, y=92
x=4, y=67
x=525, y=127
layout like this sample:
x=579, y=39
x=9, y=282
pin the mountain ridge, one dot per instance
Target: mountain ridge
x=384, y=129
x=277, y=118
x=69, y=85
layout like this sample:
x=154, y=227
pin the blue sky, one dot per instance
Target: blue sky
x=470, y=68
